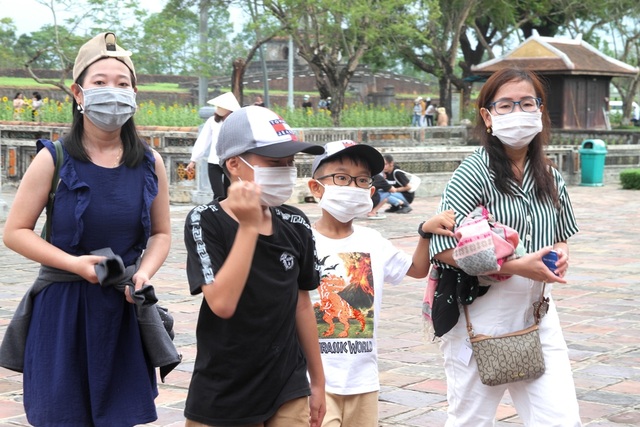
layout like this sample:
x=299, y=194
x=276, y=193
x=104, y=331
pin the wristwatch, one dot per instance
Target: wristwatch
x=422, y=233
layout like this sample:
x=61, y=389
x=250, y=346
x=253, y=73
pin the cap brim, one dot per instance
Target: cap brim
x=286, y=149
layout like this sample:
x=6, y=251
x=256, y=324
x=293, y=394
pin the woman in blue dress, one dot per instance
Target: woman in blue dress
x=84, y=361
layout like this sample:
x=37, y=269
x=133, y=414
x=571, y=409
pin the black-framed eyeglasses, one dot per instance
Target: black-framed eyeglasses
x=528, y=104
x=342, y=180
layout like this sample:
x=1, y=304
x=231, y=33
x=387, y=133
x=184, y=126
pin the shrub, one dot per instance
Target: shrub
x=151, y=114
x=630, y=179
x=353, y=115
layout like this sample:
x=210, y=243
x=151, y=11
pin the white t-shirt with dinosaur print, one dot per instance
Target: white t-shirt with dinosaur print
x=347, y=305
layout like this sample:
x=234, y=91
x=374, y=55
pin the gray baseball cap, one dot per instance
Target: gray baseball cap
x=258, y=130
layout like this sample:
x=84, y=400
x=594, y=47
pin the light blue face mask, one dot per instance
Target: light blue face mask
x=107, y=107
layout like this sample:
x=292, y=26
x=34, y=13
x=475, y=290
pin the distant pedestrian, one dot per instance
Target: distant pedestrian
x=36, y=104
x=205, y=145
x=417, y=111
x=18, y=105
x=306, y=104
x=430, y=112
x=443, y=118
x=258, y=101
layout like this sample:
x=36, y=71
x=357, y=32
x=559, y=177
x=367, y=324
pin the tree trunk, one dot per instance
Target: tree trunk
x=237, y=75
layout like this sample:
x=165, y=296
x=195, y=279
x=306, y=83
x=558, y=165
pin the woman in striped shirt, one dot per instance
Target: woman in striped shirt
x=511, y=176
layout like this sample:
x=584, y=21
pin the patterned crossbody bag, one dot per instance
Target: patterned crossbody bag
x=511, y=357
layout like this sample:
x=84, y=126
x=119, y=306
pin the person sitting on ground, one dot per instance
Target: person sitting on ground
x=381, y=186
x=398, y=195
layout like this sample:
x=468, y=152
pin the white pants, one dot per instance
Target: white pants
x=544, y=402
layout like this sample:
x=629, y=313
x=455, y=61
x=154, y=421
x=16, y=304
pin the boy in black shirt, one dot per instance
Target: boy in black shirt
x=254, y=261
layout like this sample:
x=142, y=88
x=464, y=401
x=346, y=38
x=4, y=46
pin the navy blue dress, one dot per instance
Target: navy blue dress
x=84, y=360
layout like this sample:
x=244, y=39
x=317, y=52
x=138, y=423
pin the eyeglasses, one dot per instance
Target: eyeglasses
x=342, y=180
x=527, y=104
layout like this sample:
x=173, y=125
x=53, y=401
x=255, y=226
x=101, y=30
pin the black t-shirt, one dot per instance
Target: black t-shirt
x=380, y=183
x=249, y=365
x=398, y=179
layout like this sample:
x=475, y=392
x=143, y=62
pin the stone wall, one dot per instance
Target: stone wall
x=433, y=153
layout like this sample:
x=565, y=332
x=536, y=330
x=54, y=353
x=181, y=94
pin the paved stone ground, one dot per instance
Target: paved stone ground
x=599, y=310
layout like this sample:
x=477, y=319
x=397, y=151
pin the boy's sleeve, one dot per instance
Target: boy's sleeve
x=205, y=256
x=309, y=276
x=396, y=262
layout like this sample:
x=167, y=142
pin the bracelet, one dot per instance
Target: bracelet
x=423, y=234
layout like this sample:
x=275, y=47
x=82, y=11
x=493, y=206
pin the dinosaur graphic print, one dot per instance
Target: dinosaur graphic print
x=344, y=305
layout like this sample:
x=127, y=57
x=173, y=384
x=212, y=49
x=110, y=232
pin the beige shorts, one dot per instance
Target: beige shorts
x=357, y=410
x=294, y=413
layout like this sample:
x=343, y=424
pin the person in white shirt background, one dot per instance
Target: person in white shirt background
x=205, y=145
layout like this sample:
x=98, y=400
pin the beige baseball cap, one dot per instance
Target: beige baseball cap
x=101, y=46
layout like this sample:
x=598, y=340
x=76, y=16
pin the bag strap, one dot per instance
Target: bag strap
x=406, y=174
x=46, y=230
x=536, y=312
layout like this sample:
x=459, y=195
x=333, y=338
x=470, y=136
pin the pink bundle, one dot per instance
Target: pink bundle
x=484, y=244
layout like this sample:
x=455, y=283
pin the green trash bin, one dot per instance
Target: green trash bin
x=592, y=154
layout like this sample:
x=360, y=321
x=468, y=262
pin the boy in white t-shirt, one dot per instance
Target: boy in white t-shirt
x=355, y=262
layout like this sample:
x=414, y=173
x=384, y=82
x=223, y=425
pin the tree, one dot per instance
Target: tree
x=433, y=42
x=169, y=44
x=8, y=58
x=332, y=37
x=599, y=23
x=259, y=30
x=449, y=37
x=55, y=46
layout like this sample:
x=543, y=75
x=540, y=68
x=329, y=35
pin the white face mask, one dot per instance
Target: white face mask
x=345, y=202
x=276, y=183
x=107, y=107
x=516, y=129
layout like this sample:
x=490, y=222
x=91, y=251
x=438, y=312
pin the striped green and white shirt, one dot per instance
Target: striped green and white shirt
x=538, y=224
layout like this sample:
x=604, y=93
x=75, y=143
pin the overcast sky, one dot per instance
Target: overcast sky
x=30, y=16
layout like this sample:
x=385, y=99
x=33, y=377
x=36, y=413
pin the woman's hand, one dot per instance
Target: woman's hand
x=140, y=278
x=563, y=262
x=532, y=267
x=85, y=267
